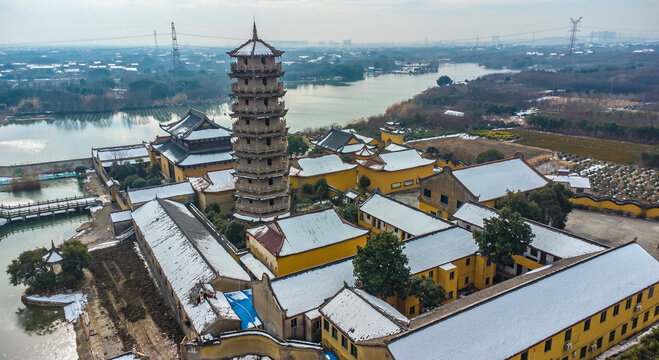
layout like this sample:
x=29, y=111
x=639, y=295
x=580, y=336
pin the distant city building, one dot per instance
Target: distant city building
x=347, y=42
x=261, y=148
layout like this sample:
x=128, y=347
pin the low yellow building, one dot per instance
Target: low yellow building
x=545, y=315
x=395, y=171
x=299, y=242
x=383, y=213
x=179, y=192
x=345, y=142
x=443, y=193
x=548, y=246
x=195, y=146
x=330, y=167
x=449, y=258
x=216, y=187
x=391, y=133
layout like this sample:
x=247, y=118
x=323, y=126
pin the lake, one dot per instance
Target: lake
x=35, y=333
x=72, y=136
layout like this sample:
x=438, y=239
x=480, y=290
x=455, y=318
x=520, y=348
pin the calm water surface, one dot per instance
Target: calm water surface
x=72, y=136
x=35, y=333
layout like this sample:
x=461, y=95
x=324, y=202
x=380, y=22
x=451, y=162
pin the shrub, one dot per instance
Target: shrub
x=364, y=181
x=489, y=155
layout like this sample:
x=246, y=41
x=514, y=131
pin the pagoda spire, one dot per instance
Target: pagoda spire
x=254, y=35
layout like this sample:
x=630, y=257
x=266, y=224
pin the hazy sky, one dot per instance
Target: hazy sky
x=369, y=21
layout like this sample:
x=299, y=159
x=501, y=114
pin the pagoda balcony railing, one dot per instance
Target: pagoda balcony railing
x=239, y=67
x=265, y=210
x=257, y=170
x=262, y=189
x=274, y=108
x=239, y=88
x=259, y=127
x=275, y=147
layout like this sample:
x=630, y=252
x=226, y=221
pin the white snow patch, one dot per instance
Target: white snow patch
x=73, y=303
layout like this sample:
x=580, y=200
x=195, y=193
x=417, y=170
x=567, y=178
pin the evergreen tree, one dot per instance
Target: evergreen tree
x=489, y=155
x=27, y=267
x=503, y=236
x=75, y=257
x=381, y=266
x=430, y=294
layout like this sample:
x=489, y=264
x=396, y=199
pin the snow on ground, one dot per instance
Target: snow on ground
x=592, y=169
x=94, y=209
x=73, y=303
x=626, y=345
x=3, y=221
x=251, y=357
x=104, y=245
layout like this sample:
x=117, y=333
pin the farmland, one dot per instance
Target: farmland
x=607, y=150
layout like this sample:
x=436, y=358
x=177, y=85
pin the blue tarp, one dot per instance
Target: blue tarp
x=241, y=302
x=330, y=356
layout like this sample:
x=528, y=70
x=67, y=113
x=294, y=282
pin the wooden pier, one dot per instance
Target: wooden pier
x=47, y=208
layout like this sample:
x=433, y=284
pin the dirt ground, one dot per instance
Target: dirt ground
x=467, y=150
x=614, y=230
x=127, y=306
x=409, y=197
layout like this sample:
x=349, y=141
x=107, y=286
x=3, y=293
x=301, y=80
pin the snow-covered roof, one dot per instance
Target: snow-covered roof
x=121, y=153
x=52, y=257
x=256, y=48
x=214, y=181
x=255, y=266
x=412, y=221
x=299, y=233
x=575, y=181
x=362, y=316
x=492, y=180
x=547, y=239
x=557, y=301
x=195, y=125
x=396, y=160
x=207, y=158
x=365, y=151
x=352, y=195
x=300, y=292
x=120, y=216
x=188, y=256
x=318, y=165
x=142, y=195
x=363, y=138
x=395, y=147
x=205, y=134
x=438, y=248
x=360, y=149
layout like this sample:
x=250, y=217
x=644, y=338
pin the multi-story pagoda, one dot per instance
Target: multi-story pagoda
x=261, y=167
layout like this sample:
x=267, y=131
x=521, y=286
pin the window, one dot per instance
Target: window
x=568, y=335
x=450, y=294
x=628, y=304
x=249, y=181
x=525, y=356
x=430, y=274
x=316, y=324
x=246, y=81
x=466, y=280
x=353, y=350
x=267, y=141
x=468, y=262
x=616, y=309
x=269, y=162
x=326, y=325
x=488, y=263
x=249, y=141
x=458, y=204
x=294, y=323
x=265, y=101
x=656, y=310
x=599, y=343
x=586, y=325
x=603, y=316
x=246, y=101
x=427, y=193
x=335, y=334
x=408, y=182
x=650, y=292
x=344, y=342
x=582, y=352
x=245, y=60
x=395, y=185
x=487, y=281
x=534, y=252
x=612, y=336
x=265, y=81
x=646, y=316
x=412, y=309
x=272, y=202
x=262, y=60
x=547, y=345
x=267, y=122
x=623, y=331
x=634, y=322
x=451, y=275
x=639, y=297
x=269, y=181
x=444, y=199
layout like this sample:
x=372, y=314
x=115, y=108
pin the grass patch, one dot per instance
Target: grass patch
x=607, y=150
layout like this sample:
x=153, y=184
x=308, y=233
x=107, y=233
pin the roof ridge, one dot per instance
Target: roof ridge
x=300, y=272
x=407, y=205
x=489, y=163
x=377, y=308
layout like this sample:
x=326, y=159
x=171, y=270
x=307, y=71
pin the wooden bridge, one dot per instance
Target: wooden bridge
x=47, y=208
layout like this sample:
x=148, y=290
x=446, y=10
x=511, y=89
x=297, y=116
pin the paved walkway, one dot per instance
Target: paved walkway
x=613, y=230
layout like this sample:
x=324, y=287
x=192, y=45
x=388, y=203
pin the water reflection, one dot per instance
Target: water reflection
x=39, y=321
